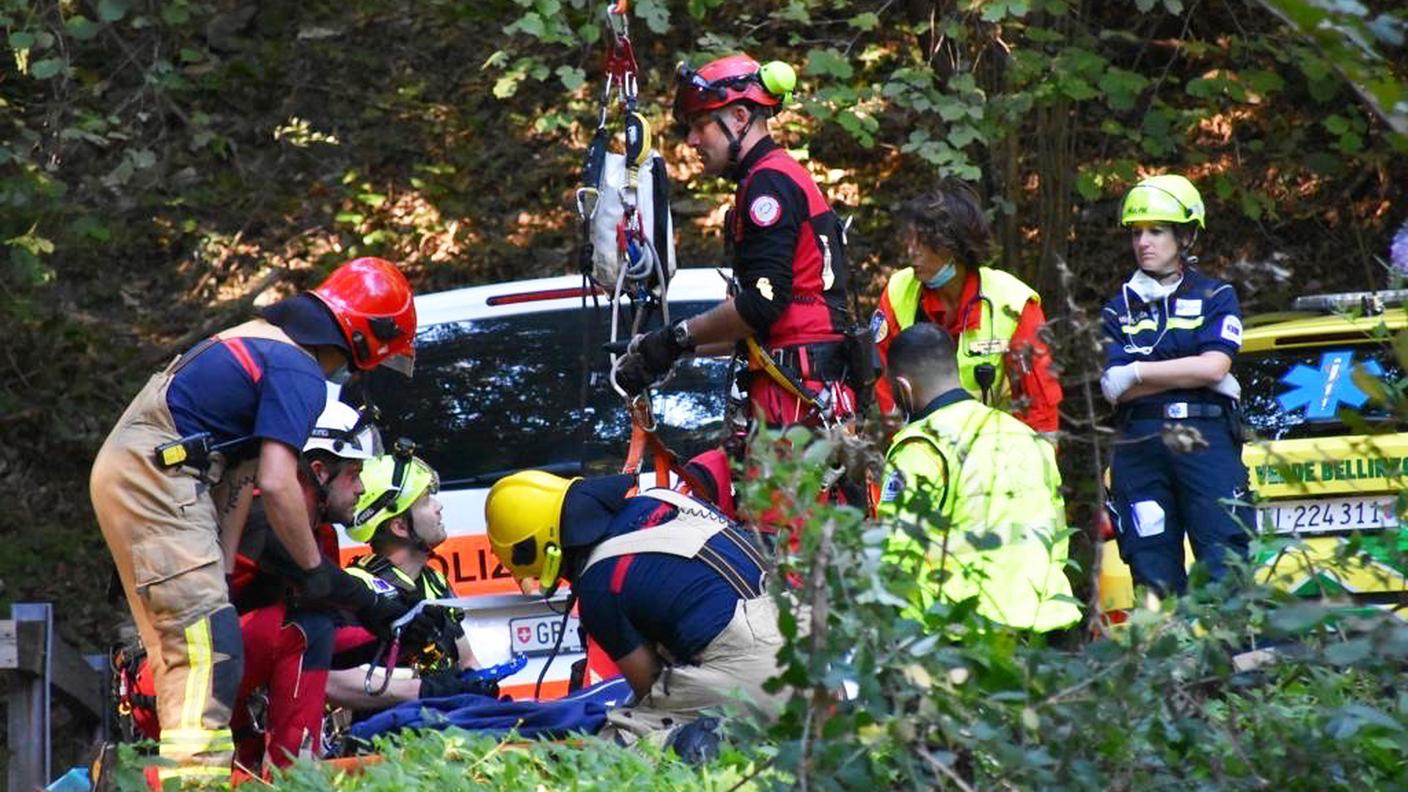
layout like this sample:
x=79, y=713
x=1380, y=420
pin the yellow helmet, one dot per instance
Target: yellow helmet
x=524, y=517
x=1169, y=198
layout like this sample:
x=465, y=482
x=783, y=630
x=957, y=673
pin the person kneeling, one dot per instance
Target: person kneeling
x=974, y=496
x=672, y=590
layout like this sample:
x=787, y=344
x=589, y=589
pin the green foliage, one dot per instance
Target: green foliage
x=453, y=760
x=165, y=164
x=1159, y=703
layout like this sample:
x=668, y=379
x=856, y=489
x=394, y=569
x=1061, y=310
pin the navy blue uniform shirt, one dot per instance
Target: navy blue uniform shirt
x=679, y=603
x=259, y=387
x=1201, y=315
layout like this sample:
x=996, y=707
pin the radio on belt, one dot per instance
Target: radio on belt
x=193, y=450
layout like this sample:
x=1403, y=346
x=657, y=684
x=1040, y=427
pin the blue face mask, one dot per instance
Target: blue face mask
x=945, y=274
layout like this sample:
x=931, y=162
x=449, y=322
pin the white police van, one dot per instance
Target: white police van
x=510, y=377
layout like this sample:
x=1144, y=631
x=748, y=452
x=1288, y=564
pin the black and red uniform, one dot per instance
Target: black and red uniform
x=288, y=649
x=790, y=263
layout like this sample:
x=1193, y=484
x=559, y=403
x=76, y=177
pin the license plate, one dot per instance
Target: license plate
x=536, y=635
x=1326, y=515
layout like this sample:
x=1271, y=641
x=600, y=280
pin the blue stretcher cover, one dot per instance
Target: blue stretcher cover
x=583, y=712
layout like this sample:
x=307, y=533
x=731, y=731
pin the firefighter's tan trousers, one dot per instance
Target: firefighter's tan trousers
x=160, y=525
x=730, y=671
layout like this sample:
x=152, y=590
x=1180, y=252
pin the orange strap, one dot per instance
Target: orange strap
x=665, y=459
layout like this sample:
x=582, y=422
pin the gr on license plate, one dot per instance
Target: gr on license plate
x=536, y=635
x=1324, y=515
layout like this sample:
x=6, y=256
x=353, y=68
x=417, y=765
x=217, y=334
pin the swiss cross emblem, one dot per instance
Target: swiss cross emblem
x=524, y=634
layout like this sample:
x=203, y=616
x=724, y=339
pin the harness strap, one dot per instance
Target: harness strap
x=190, y=355
x=687, y=536
x=785, y=379
x=732, y=576
x=381, y=568
x=665, y=460
x=245, y=359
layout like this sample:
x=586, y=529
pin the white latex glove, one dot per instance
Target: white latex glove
x=1229, y=386
x=1118, y=379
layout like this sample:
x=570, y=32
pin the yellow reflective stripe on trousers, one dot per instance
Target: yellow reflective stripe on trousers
x=193, y=741
x=201, y=669
x=194, y=771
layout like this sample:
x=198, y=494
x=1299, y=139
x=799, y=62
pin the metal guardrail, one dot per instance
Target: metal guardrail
x=37, y=661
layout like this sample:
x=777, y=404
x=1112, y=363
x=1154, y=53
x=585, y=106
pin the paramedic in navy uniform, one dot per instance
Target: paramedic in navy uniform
x=1171, y=334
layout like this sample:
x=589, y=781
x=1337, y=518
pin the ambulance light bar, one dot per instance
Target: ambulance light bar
x=1369, y=302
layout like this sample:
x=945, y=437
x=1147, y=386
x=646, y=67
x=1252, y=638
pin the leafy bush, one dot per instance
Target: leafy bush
x=1158, y=703
x=452, y=760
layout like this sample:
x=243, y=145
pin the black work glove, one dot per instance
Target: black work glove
x=379, y=615
x=317, y=583
x=649, y=357
x=448, y=683
x=658, y=349
x=632, y=375
x=329, y=586
x=424, y=628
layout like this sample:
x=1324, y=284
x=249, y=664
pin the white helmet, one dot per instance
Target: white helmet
x=344, y=432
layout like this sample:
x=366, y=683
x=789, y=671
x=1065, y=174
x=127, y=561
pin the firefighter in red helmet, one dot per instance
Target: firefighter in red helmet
x=788, y=258
x=243, y=400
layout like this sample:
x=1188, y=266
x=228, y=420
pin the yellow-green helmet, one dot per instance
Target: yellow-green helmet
x=392, y=483
x=523, y=515
x=1163, y=199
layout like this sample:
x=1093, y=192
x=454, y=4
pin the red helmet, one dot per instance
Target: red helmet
x=719, y=83
x=376, y=310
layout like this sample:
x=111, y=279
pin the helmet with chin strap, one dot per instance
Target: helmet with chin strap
x=729, y=80
x=392, y=484
x=342, y=433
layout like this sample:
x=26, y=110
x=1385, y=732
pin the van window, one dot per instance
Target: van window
x=1293, y=393
x=495, y=395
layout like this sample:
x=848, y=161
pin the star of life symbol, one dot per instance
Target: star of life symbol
x=1322, y=391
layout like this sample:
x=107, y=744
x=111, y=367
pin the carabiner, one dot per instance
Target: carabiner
x=641, y=414
x=583, y=193
x=391, y=655
x=618, y=19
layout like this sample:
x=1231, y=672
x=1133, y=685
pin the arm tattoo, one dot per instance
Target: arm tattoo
x=237, y=488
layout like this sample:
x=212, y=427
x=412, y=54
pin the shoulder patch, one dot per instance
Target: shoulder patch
x=879, y=327
x=764, y=211
x=382, y=587
x=1232, y=330
x=894, y=485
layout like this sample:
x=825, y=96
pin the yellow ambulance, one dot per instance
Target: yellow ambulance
x=1324, y=402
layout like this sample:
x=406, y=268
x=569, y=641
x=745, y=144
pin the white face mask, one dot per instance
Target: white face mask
x=1150, y=289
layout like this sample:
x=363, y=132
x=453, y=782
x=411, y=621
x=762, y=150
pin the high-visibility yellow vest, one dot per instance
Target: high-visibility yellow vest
x=986, y=343
x=385, y=578
x=984, y=489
